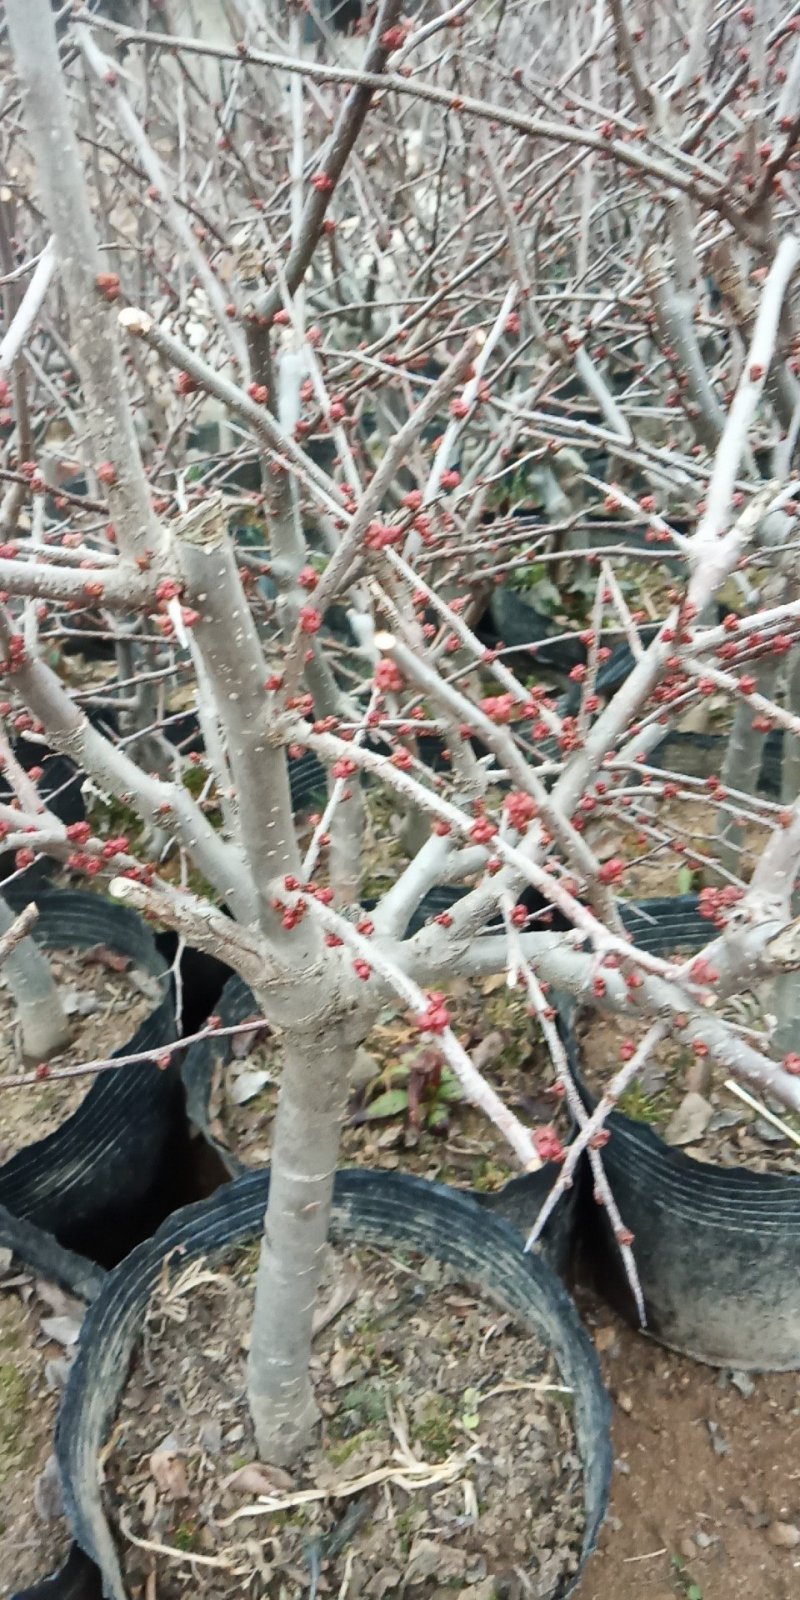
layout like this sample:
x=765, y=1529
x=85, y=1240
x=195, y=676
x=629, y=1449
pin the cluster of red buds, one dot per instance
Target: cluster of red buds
x=498, y=708
x=715, y=904
x=520, y=809
x=389, y=678
x=381, y=535
x=15, y=661
x=310, y=619
x=108, y=285
x=547, y=1144
x=436, y=1017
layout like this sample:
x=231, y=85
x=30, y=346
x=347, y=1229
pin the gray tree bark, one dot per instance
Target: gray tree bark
x=311, y=1106
x=41, y=1015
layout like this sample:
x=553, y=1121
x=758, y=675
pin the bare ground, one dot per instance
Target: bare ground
x=705, y=1501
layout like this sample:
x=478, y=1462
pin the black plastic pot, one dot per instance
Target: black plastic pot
x=717, y=1249
x=59, y=787
x=47, y=1258
x=520, y=625
x=108, y=1175
x=698, y=754
x=78, y=1579
x=369, y=1207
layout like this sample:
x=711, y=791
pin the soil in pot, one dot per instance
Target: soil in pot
x=670, y=848
x=39, y=1326
x=684, y=1097
x=406, y=1108
x=106, y=998
x=446, y=1458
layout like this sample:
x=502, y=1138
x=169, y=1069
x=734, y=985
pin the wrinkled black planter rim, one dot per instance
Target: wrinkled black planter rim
x=717, y=1248
x=90, y=1174
x=77, y=1579
x=370, y=1207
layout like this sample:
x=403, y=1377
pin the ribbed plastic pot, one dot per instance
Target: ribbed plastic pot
x=380, y=1208
x=60, y=788
x=78, y=1579
x=105, y=1178
x=698, y=754
x=519, y=624
x=717, y=1249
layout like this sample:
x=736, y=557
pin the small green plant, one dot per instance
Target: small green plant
x=419, y=1088
x=687, y=1587
x=435, y=1427
x=640, y=1106
x=185, y=1536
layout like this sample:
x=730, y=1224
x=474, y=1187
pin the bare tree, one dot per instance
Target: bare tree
x=512, y=294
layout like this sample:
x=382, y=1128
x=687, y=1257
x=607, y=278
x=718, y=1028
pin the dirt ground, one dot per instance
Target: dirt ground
x=705, y=1501
x=38, y=1328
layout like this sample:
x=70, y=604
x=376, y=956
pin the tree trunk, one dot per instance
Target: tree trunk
x=311, y=1107
x=41, y=1015
x=742, y=767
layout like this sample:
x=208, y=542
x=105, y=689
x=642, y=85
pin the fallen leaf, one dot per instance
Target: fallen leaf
x=341, y=1295
x=386, y=1581
x=169, y=1474
x=339, y=1367
x=61, y=1304
x=64, y=1330
x=488, y=1049
x=80, y=1002
x=363, y=1069
x=784, y=1535
x=99, y=955
x=498, y=980
x=427, y=1559
x=652, y=1077
x=257, y=1477
x=247, y=1085
x=48, y=1501
x=149, y=1503
x=689, y=1121
x=147, y=984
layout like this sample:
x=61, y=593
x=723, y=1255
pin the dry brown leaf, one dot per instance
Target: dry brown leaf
x=63, y=1330
x=149, y=1503
x=246, y=1085
x=488, y=1049
x=497, y=981
x=259, y=1478
x=341, y=1295
x=99, y=955
x=169, y=1474
x=689, y=1121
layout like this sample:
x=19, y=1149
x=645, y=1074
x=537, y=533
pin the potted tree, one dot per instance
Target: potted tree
x=389, y=529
